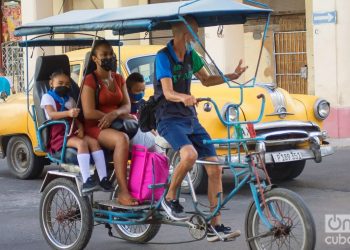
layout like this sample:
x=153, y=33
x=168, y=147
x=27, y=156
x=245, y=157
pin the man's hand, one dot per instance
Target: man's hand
x=238, y=71
x=189, y=100
x=74, y=112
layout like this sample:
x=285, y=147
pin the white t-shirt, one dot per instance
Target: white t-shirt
x=46, y=100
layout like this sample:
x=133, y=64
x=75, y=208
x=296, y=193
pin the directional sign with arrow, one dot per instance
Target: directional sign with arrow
x=325, y=17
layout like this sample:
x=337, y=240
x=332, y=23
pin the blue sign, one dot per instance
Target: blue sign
x=325, y=17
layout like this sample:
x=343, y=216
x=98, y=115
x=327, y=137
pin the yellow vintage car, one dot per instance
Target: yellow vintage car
x=292, y=124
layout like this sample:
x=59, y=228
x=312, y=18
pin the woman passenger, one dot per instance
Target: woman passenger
x=113, y=102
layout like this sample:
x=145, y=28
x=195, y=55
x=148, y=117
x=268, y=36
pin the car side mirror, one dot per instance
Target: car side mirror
x=3, y=95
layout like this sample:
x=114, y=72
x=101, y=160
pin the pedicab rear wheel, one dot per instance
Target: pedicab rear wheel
x=140, y=233
x=65, y=217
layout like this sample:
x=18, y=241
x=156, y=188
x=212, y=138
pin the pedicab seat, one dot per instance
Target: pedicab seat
x=45, y=66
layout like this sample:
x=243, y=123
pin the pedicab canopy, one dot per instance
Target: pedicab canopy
x=142, y=18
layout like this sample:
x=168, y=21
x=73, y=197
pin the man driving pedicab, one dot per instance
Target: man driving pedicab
x=177, y=119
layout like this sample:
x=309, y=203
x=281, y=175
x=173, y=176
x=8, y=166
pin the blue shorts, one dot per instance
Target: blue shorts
x=186, y=131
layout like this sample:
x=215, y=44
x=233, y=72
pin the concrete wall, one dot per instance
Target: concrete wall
x=87, y=4
x=226, y=50
x=331, y=62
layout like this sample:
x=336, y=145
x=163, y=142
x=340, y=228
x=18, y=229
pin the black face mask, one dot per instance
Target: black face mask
x=108, y=64
x=62, y=90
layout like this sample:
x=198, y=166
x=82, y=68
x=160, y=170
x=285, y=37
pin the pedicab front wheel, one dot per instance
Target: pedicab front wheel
x=65, y=217
x=294, y=227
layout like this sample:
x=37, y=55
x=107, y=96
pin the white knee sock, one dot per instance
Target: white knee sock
x=84, y=164
x=100, y=162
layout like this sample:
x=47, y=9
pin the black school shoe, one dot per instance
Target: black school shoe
x=106, y=184
x=89, y=186
x=225, y=233
x=174, y=210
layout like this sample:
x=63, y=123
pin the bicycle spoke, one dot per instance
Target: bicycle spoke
x=292, y=235
x=288, y=224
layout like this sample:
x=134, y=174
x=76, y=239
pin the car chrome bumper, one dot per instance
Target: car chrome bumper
x=306, y=154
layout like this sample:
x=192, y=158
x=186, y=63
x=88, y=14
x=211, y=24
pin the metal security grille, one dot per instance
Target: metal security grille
x=12, y=59
x=291, y=61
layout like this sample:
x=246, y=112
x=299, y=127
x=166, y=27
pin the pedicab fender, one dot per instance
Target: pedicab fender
x=54, y=174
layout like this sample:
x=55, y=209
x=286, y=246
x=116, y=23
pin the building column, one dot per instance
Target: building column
x=31, y=11
x=330, y=53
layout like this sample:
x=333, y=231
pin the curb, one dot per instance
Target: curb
x=339, y=143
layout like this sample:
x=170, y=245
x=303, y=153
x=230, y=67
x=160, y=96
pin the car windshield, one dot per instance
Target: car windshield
x=145, y=66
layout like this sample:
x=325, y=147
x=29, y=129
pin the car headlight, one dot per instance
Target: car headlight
x=322, y=109
x=229, y=113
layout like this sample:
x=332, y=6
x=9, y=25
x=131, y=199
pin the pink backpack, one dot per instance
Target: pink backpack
x=141, y=173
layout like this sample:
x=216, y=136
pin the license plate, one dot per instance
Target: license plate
x=287, y=156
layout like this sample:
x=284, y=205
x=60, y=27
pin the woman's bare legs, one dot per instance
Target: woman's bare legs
x=119, y=142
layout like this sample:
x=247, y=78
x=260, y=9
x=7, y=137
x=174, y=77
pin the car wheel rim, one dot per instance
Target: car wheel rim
x=20, y=157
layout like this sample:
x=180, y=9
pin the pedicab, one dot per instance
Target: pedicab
x=276, y=218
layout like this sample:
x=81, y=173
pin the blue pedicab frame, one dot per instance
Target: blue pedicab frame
x=248, y=168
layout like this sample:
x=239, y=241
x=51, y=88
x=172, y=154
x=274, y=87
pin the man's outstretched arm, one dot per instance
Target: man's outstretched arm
x=208, y=80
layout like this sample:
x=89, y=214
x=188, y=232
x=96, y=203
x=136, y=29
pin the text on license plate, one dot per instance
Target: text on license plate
x=287, y=156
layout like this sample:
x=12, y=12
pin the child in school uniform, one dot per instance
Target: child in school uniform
x=59, y=105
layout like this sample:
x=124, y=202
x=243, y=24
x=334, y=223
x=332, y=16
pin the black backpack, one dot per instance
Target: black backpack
x=147, y=110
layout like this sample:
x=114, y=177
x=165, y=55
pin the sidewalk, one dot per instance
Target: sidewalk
x=339, y=143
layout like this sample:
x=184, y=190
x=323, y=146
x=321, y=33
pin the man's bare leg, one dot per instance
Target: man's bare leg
x=214, y=187
x=188, y=157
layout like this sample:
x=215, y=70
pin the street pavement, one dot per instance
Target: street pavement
x=325, y=188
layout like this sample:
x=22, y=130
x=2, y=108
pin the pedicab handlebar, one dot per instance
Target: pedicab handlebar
x=234, y=123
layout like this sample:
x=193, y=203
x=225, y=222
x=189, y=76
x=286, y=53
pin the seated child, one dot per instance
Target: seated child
x=59, y=105
x=136, y=90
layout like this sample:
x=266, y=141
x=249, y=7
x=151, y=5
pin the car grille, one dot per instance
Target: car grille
x=285, y=132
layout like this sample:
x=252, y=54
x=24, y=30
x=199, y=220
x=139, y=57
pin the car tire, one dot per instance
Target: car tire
x=22, y=161
x=198, y=174
x=285, y=171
